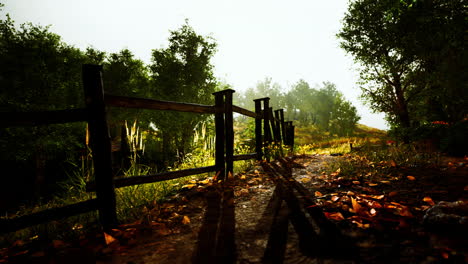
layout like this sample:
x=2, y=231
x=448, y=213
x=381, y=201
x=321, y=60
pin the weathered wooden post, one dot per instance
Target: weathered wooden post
x=277, y=127
x=229, y=126
x=258, y=129
x=220, y=136
x=290, y=134
x=283, y=128
x=100, y=144
x=266, y=120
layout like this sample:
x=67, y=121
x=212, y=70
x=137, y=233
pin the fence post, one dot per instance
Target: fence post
x=258, y=129
x=100, y=144
x=282, y=128
x=292, y=136
x=220, y=136
x=275, y=127
x=228, y=117
x=266, y=120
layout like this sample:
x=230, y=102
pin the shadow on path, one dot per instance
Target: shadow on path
x=216, y=241
x=290, y=203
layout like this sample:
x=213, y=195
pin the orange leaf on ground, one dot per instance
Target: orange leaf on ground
x=391, y=194
x=185, y=220
x=411, y=178
x=334, y=216
x=393, y=163
x=404, y=211
x=356, y=182
x=109, y=239
x=356, y=206
x=428, y=200
x=317, y=193
x=372, y=184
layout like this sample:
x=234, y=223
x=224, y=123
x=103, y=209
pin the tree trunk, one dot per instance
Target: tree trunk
x=402, y=110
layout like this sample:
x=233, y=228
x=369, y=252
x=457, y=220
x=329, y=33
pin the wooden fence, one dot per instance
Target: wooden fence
x=274, y=129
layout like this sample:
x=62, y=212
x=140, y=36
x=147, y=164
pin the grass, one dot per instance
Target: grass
x=133, y=200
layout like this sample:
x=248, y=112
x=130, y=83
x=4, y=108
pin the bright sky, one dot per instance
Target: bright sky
x=284, y=40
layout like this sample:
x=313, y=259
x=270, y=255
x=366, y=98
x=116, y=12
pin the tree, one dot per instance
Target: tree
x=371, y=34
x=182, y=72
x=38, y=72
x=344, y=117
x=412, y=58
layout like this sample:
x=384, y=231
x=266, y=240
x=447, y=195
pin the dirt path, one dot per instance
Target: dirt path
x=289, y=211
x=259, y=218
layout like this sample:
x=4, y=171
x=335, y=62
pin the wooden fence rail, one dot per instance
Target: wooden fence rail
x=274, y=129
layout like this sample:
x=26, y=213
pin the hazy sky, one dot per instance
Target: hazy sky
x=284, y=40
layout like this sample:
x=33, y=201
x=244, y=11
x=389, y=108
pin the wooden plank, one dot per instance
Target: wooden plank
x=244, y=156
x=220, y=136
x=144, y=103
x=283, y=128
x=36, y=118
x=165, y=176
x=274, y=125
x=10, y=225
x=243, y=111
x=229, y=121
x=278, y=124
x=266, y=120
x=100, y=143
x=258, y=129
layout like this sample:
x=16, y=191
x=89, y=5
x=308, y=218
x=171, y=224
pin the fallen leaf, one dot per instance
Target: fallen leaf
x=185, y=220
x=189, y=186
x=404, y=211
x=356, y=182
x=109, y=239
x=373, y=211
x=242, y=177
x=335, y=198
x=334, y=216
x=393, y=163
x=317, y=194
x=372, y=184
x=350, y=193
x=334, y=174
x=378, y=197
x=386, y=182
x=205, y=181
x=392, y=194
x=411, y=178
x=356, y=206
x=305, y=180
x=428, y=200
x=360, y=225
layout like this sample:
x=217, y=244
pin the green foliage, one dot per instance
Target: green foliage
x=324, y=107
x=182, y=72
x=412, y=59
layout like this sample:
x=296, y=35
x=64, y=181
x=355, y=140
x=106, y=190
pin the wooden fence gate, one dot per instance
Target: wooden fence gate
x=274, y=130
